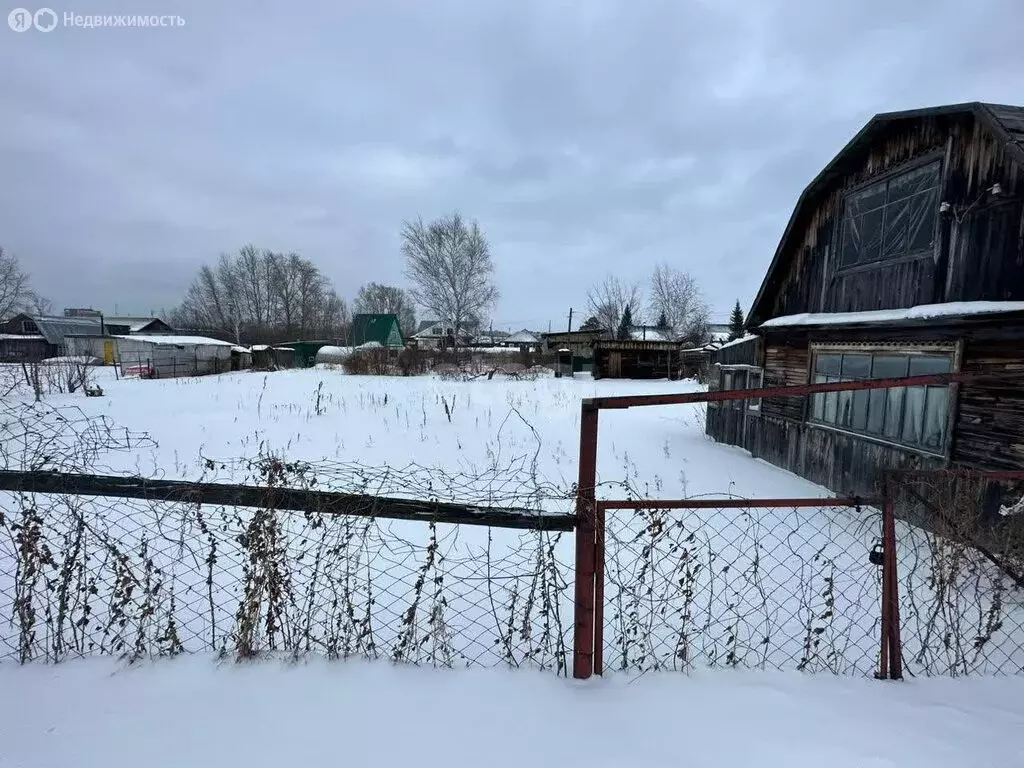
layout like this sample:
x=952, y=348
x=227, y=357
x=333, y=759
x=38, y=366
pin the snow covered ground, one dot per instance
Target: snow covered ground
x=98, y=714
x=317, y=415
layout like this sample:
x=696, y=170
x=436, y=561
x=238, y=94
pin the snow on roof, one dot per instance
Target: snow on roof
x=198, y=341
x=260, y=347
x=522, y=337
x=920, y=312
x=240, y=350
x=649, y=334
x=15, y=336
x=134, y=323
x=740, y=340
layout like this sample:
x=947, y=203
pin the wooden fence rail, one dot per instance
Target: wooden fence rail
x=289, y=499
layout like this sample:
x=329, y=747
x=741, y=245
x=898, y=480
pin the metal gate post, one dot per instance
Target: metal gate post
x=583, y=639
x=599, y=552
x=890, y=665
x=889, y=543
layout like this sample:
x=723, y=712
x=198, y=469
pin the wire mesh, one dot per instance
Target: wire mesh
x=139, y=578
x=771, y=588
x=960, y=561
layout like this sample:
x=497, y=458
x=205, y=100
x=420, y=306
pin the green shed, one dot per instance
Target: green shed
x=305, y=351
x=384, y=329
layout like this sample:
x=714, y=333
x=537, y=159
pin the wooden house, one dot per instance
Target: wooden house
x=383, y=329
x=904, y=256
x=31, y=337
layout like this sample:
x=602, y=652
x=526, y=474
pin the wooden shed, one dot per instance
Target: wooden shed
x=904, y=256
x=633, y=359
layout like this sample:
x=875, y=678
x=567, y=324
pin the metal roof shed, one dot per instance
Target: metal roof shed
x=161, y=357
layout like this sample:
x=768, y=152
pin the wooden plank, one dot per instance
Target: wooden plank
x=287, y=499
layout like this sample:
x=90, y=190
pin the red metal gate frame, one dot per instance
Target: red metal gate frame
x=588, y=642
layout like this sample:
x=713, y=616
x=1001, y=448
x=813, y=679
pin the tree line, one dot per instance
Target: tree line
x=673, y=304
x=259, y=294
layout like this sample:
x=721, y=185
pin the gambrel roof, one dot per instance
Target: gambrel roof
x=1005, y=122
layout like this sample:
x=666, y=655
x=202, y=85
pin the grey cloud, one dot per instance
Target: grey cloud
x=591, y=139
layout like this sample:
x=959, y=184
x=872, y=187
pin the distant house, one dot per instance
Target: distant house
x=903, y=256
x=30, y=337
x=127, y=326
x=433, y=334
x=527, y=341
x=383, y=329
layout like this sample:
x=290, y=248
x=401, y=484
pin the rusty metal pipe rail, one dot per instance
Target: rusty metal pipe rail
x=732, y=503
x=801, y=390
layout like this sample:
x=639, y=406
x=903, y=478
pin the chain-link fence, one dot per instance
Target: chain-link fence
x=145, y=577
x=960, y=562
x=767, y=587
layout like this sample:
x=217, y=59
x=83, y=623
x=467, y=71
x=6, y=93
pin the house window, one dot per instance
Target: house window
x=741, y=377
x=755, y=376
x=911, y=416
x=29, y=327
x=891, y=219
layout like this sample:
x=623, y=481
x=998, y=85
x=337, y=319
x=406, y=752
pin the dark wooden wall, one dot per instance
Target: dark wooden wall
x=785, y=365
x=988, y=423
x=981, y=257
x=747, y=353
x=989, y=431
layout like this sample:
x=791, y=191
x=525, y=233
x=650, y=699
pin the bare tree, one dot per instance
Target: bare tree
x=16, y=293
x=378, y=299
x=262, y=295
x=449, y=266
x=608, y=299
x=676, y=296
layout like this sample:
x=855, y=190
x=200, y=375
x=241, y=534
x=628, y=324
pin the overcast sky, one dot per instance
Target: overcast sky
x=587, y=138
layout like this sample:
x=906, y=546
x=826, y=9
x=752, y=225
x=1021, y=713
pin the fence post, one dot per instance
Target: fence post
x=586, y=549
x=890, y=665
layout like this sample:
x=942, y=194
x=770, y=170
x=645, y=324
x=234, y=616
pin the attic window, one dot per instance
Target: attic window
x=891, y=219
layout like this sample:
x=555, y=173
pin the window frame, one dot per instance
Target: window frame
x=952, y=351
x=750, y=404
x=935, y=157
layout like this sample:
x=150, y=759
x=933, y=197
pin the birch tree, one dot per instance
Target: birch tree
x=448, y=264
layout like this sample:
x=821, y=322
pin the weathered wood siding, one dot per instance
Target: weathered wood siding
x=745, y=353
x=844, y=463
x=840, y=461
x=989, y=427
x=979, y=257
x=785, y=366
x=725, y=423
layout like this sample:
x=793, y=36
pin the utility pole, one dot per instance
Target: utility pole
x=570, y=321
x=569, y=343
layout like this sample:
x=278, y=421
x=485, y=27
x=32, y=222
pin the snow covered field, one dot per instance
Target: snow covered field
x=772, y=589
x=98, y=714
